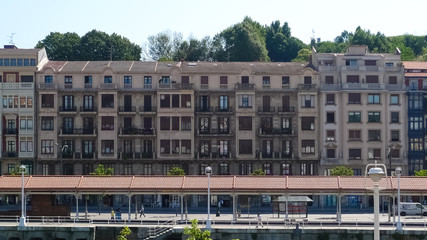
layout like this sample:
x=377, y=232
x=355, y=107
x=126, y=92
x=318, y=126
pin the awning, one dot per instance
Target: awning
x=293, y=199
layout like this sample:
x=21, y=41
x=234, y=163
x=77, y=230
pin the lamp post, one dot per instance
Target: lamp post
x=398, y=224
x=62, y=147
x=208, y=171
x=376, y=173
x=22, y=222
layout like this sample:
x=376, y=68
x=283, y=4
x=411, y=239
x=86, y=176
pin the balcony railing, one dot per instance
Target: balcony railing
x=136, y=131
x=108, y=86
x=147, y=109
x=266, y=109
x=126, y=155
x=214, y=131
x=10, y=154
x=223, y=109
x=286, y=109
x=176, y=86
x=88, y=155
x=127, y=109
x=10, y=130
x=77, y=131
x=275, y=131
x=245, y=86
x=204, y=109
x=88, y=108
x=47, y=86
x=67, y=109
x=307, y=87
x=144, y=155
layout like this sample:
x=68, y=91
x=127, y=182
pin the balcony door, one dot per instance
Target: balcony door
x=128, y=103
x=266, y=103
x=147, y=103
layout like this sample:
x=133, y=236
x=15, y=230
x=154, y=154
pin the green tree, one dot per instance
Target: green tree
x=258, y=172
x=303, y=55
x=421, y=173
x=195, y=233
x=342, y=171
x=176, y=171
x=244, y=41
x=61, y=46
x=161, y=47
x=101, y=171
x=194, y=50
x=124, y=233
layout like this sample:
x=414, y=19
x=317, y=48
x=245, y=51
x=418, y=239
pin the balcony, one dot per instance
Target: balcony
x=267, y=132
x=77, y=132
x=178, y=86
x=307, y=87
x=126, y=155
x=245, y=86
x=216, y=154
x=214, y=132
x=224, y=110
x=273, y=155
x=137, y=132
x=266, y=110
x=88, y=109
x=127, y=86
x=47, y=86
x=286, y=109
x=204, y=109
x=147, y=109
x=67, y=155
x=20, y=85
x=10, y=131
x=107, y=86
x=127, y=110
x=68, y=109
x=88, y=155
x=68, y=85
x=144, y=155
x=88, y=86
x=10, y=154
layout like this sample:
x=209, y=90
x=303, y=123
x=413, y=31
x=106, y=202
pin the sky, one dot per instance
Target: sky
x=30, y=21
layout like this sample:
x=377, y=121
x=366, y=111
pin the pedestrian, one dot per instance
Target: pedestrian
x=259, y=221
x=141, y=211
x=113, y=215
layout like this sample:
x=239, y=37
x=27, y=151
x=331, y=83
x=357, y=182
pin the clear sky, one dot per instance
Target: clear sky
x=33, y=20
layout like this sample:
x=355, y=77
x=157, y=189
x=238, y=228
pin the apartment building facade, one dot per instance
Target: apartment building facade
x=362, y=110
x=416, y=81
x=18, y=132
x=147, y=117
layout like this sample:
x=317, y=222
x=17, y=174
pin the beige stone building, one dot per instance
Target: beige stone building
x=147, y=117
x=363, y=109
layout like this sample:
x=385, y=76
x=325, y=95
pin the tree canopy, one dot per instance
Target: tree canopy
x=195, y=233
x=421, y=173
x=341, y=171
x=176, y=171
x=258, y=172
x=101, y=171
x=93, y=46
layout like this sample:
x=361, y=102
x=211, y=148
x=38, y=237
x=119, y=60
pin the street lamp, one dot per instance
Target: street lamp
x=63, y=147
x=22, y=222
x=376, y=173
x=399, y=224
x=208, y=171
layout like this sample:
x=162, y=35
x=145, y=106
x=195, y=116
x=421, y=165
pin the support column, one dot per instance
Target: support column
x=286, y=206
x=77, y=196
x=234, y=196
x=394, y=209
x=129, y=205
x=181, y=203
x=136, y=207
x=339, y=208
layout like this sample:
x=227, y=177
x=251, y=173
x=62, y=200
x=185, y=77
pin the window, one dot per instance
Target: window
x=26, y=123
x=374, y=98
x=202, y=168
x=204, y=124
x=147, y=82
x=185, y=100
x=26, y=144
x=165, y=100
x=47, y=123
x=329, y=79
x=286, y=125
x=68, y=82
x=374, y=135
x=25, y=78
x=395, y=153
x=245, y=101
x=185, y=79
x=374, y=117
x=68, y=103
x=353, y=79
x=47, y=146
x=307, y=80
x=224, y=169
x=395, y=135
x=374, y=153
x=88, y=102
x=415, y=123
x=223, y=102
x=285, y=80
x=223, y=125
x=330, y=117
x=165, y=123
x=87, y=146
x=330, y=153
x=307, y=146
x=307, y=101
x=370, y=62
x=416, y=144
x=394, y=99
x=165, y=79
x=245, y=146
x=107, y=123
x=307, y=123
x=266, y=82
x=307, y=169
x=392, y=80
x=108, y=79
x=354, y=98
x=223, y=80
x=107, y=146
x=286, y=149
x=354, y=117
x=245, y=123
x=245, y=79
x=351, y=62
x=372, y=79
x=204, y=81
x=330, y=135
x=354, y=135
x=165, y=146
x=394, y=117
x=245, y=168
x=185, y=123
x=185, y=146
x=267, y=168
x=205, y=148
x=107, y=100
x=48, y=79
x=47, y=101
x=285, y=169
x=127, y=81
x=175, y=123
x=354, y=154
x=330, y=99
x=223, y=148
x=175, y=100
x=88, y=81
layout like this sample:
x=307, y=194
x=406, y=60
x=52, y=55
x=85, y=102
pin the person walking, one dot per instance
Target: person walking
x=113, y=215
x=259, y=221
x=141, y=211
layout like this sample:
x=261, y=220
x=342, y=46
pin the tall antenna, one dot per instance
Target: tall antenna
x=11, y=39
